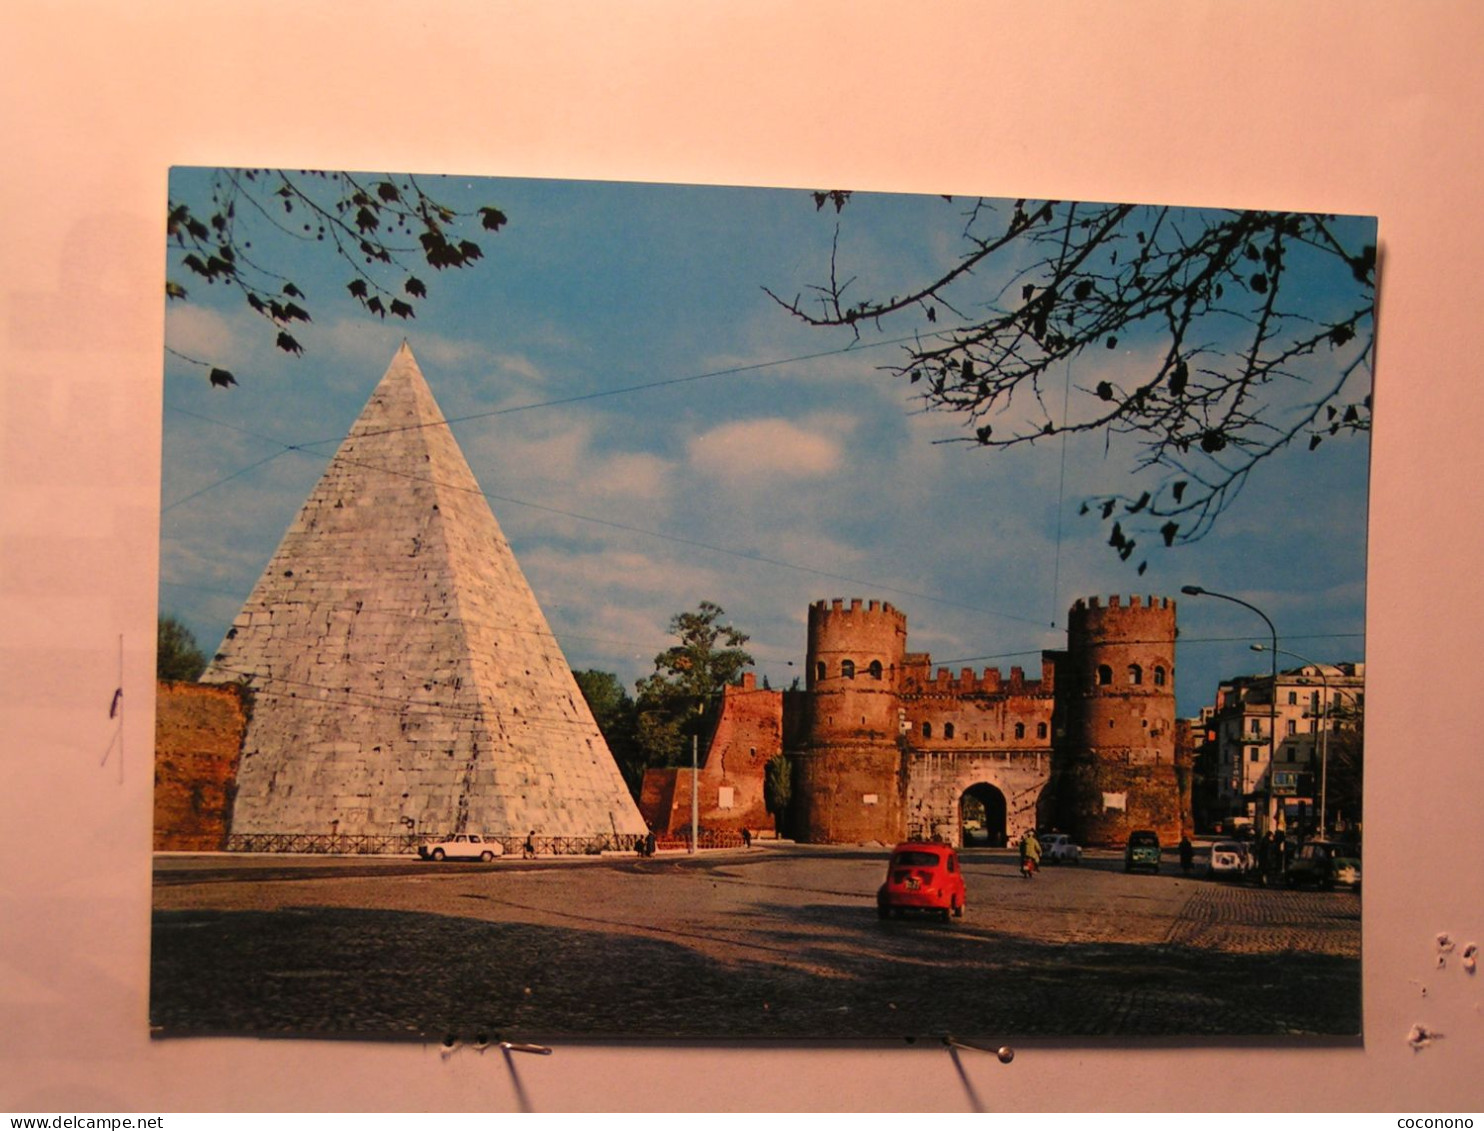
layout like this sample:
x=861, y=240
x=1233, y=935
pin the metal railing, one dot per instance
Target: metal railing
x=398, y=844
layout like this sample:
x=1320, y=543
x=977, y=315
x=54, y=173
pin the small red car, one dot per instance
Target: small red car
x=922, y=876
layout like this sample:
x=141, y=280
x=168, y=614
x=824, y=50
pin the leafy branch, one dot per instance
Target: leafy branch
x=1244, y=332
x=382, y=228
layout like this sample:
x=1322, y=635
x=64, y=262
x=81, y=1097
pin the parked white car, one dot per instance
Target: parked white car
x=462, y=846
x=1057, y=848
x=1228, y=861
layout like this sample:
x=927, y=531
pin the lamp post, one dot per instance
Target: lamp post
x=1197, y=591
x=1323, y=728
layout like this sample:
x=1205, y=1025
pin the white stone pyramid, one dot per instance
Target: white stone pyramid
x=404, y=677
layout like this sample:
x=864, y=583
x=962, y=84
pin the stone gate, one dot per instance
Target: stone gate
x=938, y=780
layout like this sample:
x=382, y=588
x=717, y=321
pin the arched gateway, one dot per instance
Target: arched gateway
x=1006, y=786
x=981, y=816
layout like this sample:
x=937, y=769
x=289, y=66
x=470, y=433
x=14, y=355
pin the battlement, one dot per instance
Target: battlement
x=878, y=610
x=924, y=681
x=1116, y=601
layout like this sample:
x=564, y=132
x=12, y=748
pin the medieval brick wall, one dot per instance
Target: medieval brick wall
x=887, y=747
x=729, y=790
x=198, y=739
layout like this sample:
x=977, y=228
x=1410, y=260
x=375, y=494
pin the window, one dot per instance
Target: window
x=1292, y=727
x=1105, y=675
x=927, y=730
x=1254, y=726
x=1293, y=698
x=819, y=672
x=1159, y=677
x=847, y=669
x=1135, y=675
x=947, y=730
x=1252, y=753
x=1040, y=730
x=875, y=669
x=1019, y=730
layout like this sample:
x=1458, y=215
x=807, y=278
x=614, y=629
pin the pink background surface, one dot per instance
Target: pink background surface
x=1338, y=106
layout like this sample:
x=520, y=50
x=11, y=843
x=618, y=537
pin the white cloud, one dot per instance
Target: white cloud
x=770, y=447
x=200, y=332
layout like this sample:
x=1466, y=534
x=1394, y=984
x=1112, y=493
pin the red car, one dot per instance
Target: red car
x=922, y=876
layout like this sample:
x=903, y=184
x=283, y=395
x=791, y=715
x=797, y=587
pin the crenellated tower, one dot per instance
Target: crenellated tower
x=849, y=776
x=1118, y=692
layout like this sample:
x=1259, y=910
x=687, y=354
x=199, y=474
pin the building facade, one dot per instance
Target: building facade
x=1270, y=753
x=884, y=747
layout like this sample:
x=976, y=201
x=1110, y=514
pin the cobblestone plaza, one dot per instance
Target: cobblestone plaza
x=780, y=943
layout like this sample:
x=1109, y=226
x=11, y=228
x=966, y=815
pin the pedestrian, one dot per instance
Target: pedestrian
x=1187, y=854
x=1264, y=857
x=746, y=837
x=529, y=850
x=1030, y=854
x=649, y=843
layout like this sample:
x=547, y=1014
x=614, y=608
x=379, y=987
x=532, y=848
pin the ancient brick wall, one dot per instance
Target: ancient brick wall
x=1120, y=772
x=748, y=733
x=849, y=782
x=198, y=739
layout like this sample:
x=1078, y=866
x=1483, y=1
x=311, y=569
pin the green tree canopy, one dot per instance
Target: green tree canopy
x=1245, y=332
x=687, y=678
x=617, y=717
x=177, y=655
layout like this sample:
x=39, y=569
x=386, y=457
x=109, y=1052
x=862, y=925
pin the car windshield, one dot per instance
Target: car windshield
x=1235, y=849
x=1143, y=840
x=914, y=860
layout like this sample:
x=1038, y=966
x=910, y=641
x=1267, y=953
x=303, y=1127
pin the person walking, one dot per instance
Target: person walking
x=1030, y=854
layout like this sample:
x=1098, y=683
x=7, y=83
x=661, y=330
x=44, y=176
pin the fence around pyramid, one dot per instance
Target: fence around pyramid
x=404, y=681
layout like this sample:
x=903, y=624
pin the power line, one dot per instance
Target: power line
x=731, y=371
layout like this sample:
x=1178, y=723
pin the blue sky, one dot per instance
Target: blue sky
x=761, y=484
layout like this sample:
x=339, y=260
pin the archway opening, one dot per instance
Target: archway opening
x=981, y=816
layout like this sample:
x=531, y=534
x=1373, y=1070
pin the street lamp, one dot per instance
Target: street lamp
x=1197, y=591
x=1323, y=727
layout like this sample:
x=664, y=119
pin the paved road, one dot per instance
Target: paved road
x=774, y=942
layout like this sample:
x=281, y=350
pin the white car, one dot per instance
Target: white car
x=1228, y=861
x=462, y=846
x=1057, y=848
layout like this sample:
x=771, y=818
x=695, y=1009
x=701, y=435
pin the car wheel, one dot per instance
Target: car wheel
x=437, y=854
x=958, y=909
x=883, y=911
x=486, y=855
x=943, y=914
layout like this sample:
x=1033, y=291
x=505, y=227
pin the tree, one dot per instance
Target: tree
x=617, y=717
x=381, y=227
x=687, y=678
x=177, y=655
x=1345, y=753
x=778, y=790
x=1242, y=333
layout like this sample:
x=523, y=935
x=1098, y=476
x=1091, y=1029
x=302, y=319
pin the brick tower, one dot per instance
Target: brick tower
x=849, y=777
x=403, y=676
x=1119, y=696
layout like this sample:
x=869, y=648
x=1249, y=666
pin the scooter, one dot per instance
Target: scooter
x=1028, y=867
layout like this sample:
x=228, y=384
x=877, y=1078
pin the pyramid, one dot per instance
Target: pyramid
x=404, y=678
